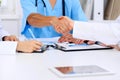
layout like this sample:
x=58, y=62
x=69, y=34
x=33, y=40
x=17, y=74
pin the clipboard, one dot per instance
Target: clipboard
x=68, y=47
x=81, y=47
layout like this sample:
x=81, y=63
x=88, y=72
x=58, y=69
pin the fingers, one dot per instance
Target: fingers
x=61, y=28
x=65, y=38
x=68, y=38
x=28, y=46
x=61, y=25
x=37, y=45
x=62, y=39
x=114, y=46
x=67, y=21
x=78, y=41
x=10, y=38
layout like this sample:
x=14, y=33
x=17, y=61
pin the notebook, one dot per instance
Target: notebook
x=68, y=47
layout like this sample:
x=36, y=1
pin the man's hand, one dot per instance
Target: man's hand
x=69, y=23
x=62, y=25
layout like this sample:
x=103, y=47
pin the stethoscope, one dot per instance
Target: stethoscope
x=44, y=5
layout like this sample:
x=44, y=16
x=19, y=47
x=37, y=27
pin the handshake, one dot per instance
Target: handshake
x=62, y=24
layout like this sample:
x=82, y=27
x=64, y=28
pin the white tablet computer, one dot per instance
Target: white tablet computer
x=79, y=71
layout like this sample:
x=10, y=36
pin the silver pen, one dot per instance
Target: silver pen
x=31, y=33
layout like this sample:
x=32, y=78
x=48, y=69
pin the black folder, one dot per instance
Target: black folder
x=82, y=47
x=74, y=47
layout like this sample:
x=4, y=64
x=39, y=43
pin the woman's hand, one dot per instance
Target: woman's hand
x=117, y=47
x=28, y=46
x=69, y=38
x=10, y=38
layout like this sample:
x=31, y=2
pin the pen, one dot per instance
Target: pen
x=31, y=33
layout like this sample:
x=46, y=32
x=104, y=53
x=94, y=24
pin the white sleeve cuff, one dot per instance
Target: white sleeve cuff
x=8, y=47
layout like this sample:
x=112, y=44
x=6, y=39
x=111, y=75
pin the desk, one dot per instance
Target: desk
x=35, y=66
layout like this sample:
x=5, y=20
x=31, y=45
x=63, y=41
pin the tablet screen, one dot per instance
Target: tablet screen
x=89, y=70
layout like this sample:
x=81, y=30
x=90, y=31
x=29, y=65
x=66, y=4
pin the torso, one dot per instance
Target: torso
x=52, y=2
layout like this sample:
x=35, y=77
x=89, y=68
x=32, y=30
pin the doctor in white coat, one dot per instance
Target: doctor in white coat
x=10, y=41
x=108, y=33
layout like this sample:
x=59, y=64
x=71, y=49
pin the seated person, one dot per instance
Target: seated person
x=24, y=46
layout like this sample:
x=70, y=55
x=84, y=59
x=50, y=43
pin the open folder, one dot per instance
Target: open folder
x=68, y=47
x=80, y=47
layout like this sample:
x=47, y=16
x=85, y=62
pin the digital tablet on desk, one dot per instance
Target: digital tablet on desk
x=80, y=71
x=80, y=47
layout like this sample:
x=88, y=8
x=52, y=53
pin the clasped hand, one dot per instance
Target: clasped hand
x=62, y=24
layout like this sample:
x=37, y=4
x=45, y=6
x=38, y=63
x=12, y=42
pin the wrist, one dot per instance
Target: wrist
x=72, y=24
x=19, y=44
x=52, y=20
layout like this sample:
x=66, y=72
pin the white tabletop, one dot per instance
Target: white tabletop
x=35, y=66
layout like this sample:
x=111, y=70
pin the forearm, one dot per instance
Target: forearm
x=39, y=20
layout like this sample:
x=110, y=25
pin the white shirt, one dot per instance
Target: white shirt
x=108, y=33
x=6, y=47
x=2, y=32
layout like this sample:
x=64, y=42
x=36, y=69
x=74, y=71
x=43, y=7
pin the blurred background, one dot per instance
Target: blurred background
x=95, y=10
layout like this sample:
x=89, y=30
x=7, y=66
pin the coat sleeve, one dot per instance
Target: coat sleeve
x=2, y=32
x=8, y=47
x=108, y=33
